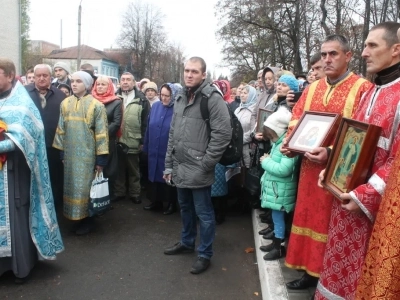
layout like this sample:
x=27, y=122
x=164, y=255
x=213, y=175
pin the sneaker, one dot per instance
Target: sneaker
x=200, y=265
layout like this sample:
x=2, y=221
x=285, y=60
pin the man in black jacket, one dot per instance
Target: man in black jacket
x=47, y=99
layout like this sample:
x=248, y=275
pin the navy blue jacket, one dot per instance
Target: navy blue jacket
x=51, y=113
x=156, y=139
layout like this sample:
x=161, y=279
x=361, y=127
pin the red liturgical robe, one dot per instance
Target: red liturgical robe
x=350, y=232
x=314, y=205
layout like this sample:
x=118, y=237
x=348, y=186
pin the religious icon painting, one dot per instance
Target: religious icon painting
x=351, y=157
x=314, y=129
x=263, y=114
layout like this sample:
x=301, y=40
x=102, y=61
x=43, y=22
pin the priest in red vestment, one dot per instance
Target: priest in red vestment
x=351, y=224
x=340, y=92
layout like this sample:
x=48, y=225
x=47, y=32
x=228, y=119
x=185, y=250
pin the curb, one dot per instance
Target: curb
x=271, y=278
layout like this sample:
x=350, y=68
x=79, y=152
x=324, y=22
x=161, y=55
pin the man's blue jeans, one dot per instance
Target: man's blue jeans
x=197, y=203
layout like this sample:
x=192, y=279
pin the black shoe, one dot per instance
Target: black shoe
x=267, y=219
x=265, y=214
x=178, y=248
x=75, y=226
x=274, y=254
x=153, y=206
x=22, y=280
x=85, y=226
x=265, y=231
x=200, y=265
x=170, y=210
x=303, y=283
x=267, y=248
x=117, y=198
x=276, y=251
x=136, y=200
x=269, y=236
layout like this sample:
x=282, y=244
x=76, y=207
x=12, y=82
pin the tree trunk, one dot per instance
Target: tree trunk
x=324, y=16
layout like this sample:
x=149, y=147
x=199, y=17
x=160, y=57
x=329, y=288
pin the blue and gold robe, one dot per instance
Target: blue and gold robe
x=82, y=135
x=25, y=131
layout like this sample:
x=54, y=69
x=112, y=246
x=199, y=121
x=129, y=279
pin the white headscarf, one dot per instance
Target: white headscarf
x=86, y=79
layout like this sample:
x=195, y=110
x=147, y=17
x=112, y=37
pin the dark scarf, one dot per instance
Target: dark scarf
x=388, y=75
x=192, y=90
x=5, y=94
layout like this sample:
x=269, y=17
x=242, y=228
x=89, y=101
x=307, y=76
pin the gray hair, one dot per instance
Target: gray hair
x=128, y=73
x=344, y=43
x=42, y=66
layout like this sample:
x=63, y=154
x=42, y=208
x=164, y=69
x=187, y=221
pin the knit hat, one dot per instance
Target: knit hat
x=62, y=65
x=291, y=81
x=143, y=82
x=279, y=120
x=86, y=78
x=150, y=85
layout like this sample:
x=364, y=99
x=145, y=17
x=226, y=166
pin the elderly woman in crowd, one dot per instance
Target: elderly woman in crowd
x=248, y=98
x=225, y=87
x=103, y=91
x=155, y=145
x=66, y=89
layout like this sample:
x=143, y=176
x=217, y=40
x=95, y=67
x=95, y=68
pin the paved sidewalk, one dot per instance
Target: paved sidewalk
x=274, y=274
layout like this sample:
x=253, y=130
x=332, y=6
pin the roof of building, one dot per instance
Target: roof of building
x=44, y=42
x=87, y=52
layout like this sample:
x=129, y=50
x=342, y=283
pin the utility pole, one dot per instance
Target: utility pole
x=78, y=61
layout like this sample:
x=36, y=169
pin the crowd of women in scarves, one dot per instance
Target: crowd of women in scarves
x=319, y=161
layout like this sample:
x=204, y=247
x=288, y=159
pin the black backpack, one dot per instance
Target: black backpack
x=234, y=151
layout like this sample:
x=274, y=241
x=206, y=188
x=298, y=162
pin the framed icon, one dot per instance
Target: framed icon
x=314, y=129
x=351, y=157
x=263, y=114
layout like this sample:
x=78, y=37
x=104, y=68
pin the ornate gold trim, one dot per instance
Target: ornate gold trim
x=319, y=237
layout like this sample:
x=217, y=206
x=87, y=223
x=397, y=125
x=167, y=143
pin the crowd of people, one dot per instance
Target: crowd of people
x=55, y=134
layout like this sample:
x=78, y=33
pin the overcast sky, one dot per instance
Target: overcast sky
x=189, y=22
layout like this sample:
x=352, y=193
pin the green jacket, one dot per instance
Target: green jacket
x=279, y=182
x=134, y=123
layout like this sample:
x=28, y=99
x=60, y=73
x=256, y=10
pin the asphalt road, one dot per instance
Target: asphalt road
x=123, y=259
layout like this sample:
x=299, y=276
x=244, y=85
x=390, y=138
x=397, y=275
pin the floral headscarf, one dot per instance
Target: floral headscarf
x=225, y=88
x=174, y=89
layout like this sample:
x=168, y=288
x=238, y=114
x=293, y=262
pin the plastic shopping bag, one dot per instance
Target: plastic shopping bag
x=99, y=196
